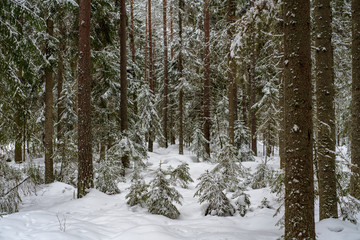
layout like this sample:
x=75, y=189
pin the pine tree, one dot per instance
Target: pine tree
x=299, y=179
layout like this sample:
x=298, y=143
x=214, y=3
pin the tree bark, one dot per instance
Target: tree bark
x=165, y=106
x=49, y=127
x=324, y=71
x=132, y=36
x=60, y=81
x=232, y=89
x=180, y=67
x=123, y=78
x=355, y=101
x=206, y=97
x=85, y=171
x=299, y=182
x=151, y=71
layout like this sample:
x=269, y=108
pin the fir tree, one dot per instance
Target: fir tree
x=181, y=175
x=138, y=191
x=107, y=175
x=210, y=190
x=162, y=195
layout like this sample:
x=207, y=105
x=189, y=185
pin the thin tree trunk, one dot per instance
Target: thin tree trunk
x=355, y=101
x=132, y=36
x=18, y=135
x=180, y=67
x=165, y=106
x=123, y=80
x=85, y=171
x=206, y=97
x=146, y=45
x=151, y=73
x=232, y=92
x=60, y=81
x=49, y=127
x=299, y=175
x=252, y=98
x=324, y=70
x=172, y=109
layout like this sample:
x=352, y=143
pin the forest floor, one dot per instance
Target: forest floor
x=54, y=214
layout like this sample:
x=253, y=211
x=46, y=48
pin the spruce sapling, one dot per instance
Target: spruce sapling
x=210, y=190
x=161, y=196
x=181, y=175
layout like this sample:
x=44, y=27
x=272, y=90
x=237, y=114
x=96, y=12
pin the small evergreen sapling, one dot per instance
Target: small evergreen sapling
x=210, y=190
x=242, y=201
x=107, y=176
x=181, y=175
x=229, y=168
x=263, y=176
x=138, y=193
x=161, y=196
x=242, y=142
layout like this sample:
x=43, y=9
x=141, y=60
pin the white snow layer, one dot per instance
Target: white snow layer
x=54, y=214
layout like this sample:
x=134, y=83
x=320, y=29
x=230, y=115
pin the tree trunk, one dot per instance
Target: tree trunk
x=252, y=98
x=180, y=67
x=49, y=127
x=299, y=182
x=132, y=36
x=123, y=80
x=165, y=106
x=18, y=135
x=232, y=92
x=206, y=97
x=60, y=81
x=355, y=101
x=151, y=73
x=324, y=71
x=85, y=171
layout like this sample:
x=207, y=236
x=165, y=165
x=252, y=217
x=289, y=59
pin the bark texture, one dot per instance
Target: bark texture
x=151, y=71
x=123, y=77
x=206, y=97
x=355, y=101
x=232, y=88
x=165, y=106
x=324, y=70
x=299, y=182
x=180, y=67
x=85, y=171
x=49, y=126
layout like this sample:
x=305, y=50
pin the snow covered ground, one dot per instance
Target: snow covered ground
x=54, y=214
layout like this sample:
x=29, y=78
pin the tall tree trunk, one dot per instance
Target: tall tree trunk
x=146, y=45
x=165, y=106
x=232, y=92
x=299, y=181
x=172, y=109
x=85, y=171
x=60, y=81
x=252, y=97
x=180, y=67
x=151, y=71
x=49, y=127
x=123, y=80
x=324, y=70
x=132, y=36
x=355, y=101
x=206, y=97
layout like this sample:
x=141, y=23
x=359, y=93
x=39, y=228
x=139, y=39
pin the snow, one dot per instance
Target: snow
x=54, y=213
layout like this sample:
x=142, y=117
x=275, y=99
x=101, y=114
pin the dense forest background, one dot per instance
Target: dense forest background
x=210, y=76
